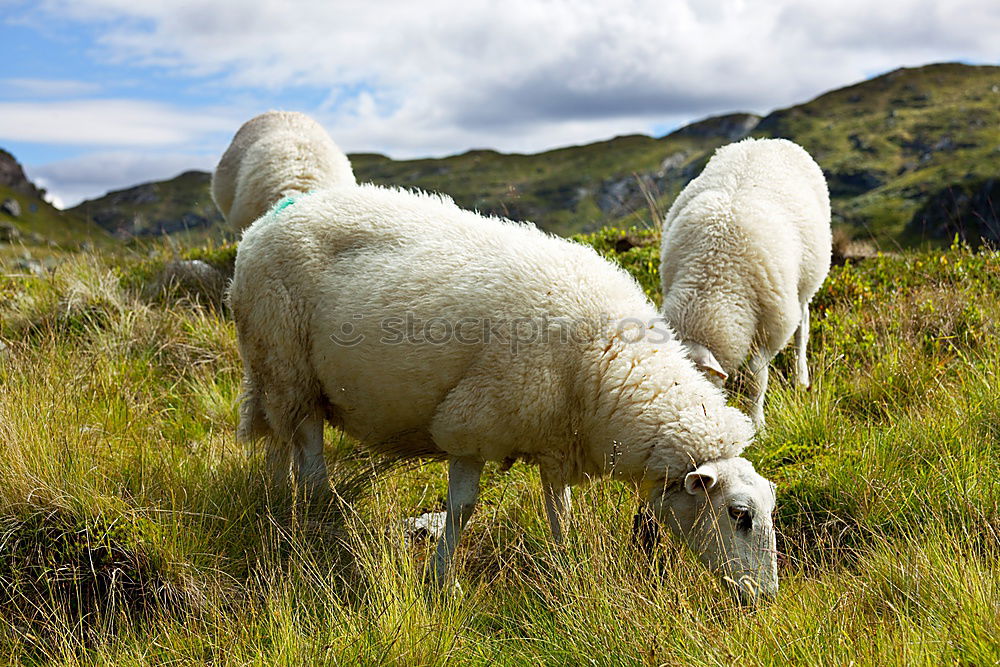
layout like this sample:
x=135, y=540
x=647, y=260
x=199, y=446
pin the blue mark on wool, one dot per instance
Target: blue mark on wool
x=283, y=204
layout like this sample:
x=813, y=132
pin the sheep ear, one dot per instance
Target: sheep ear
x=705, y=360
x=702, y=479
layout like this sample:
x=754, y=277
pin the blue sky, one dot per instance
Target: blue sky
x=103, y=94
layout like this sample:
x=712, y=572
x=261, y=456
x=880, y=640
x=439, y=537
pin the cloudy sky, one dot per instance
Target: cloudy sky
x=103, y=94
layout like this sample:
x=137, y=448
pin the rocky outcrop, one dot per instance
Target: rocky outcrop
x=731, y=127
x=11, y=208
x=9, y=233
x=853, y=182
x=12, y=176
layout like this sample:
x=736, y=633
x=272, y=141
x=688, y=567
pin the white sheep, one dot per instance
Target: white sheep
x=273, y=155
x=745, y=247
x=424, y=330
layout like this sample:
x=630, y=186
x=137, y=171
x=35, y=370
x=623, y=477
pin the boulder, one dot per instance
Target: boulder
x=11, y=208
x=191, y=279
x=427, y=526
x=29, y=265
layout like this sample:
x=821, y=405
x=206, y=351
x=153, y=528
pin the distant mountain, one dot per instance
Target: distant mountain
x=565, y=191
x=27, y=220
x=181, y=204
x=888, y=145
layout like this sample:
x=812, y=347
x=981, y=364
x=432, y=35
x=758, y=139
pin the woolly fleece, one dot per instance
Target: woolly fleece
x=345, y=262
x=745, y=247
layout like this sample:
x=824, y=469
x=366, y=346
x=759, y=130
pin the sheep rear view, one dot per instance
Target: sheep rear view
x=424, y=330
x=273, y=155
x=744, y=248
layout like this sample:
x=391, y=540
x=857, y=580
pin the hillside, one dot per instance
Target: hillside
x=568, y=190
x=30, y=224
x=890, y=144
x=181, y=204
x=911, y=155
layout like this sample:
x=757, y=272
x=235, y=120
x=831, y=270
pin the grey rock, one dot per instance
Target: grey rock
x=11, y=208
x=191, y=279
x=427, y=526
x=671, y=162
x=32, y=266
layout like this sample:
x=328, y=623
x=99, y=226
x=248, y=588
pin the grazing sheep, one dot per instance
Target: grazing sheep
x=274, y=155
x=424, y=330
x=744, y=248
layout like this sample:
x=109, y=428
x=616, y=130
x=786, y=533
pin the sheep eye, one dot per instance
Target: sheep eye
x=742, y=517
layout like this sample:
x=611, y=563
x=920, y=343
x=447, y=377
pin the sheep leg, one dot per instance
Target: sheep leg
x=801, y=341
x=463, y=489
x=558, y=505
x=307, y=452
x=759, y=363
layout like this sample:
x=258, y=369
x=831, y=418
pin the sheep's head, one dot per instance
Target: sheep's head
x=706, y=362
x=723, y=509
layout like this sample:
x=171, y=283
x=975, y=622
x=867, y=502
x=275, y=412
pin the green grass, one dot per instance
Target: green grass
x=134, y=530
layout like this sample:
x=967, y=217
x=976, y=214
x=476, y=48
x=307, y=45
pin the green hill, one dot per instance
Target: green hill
x=568, y=190
x=890, y=144
x=914, y=141
x=29, y=224
x=182, y=204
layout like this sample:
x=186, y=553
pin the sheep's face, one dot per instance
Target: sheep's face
x=723, y=511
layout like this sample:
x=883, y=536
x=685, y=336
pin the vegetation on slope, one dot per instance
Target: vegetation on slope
x=134, y=530
x=29, y=224
x=568, y=190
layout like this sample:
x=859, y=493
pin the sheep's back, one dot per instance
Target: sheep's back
x=385, y=273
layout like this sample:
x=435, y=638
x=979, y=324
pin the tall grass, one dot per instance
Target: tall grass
x=134, y=530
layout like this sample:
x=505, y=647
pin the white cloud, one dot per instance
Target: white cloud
x=34, y=88
x=103, y=122
x=439, y=67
